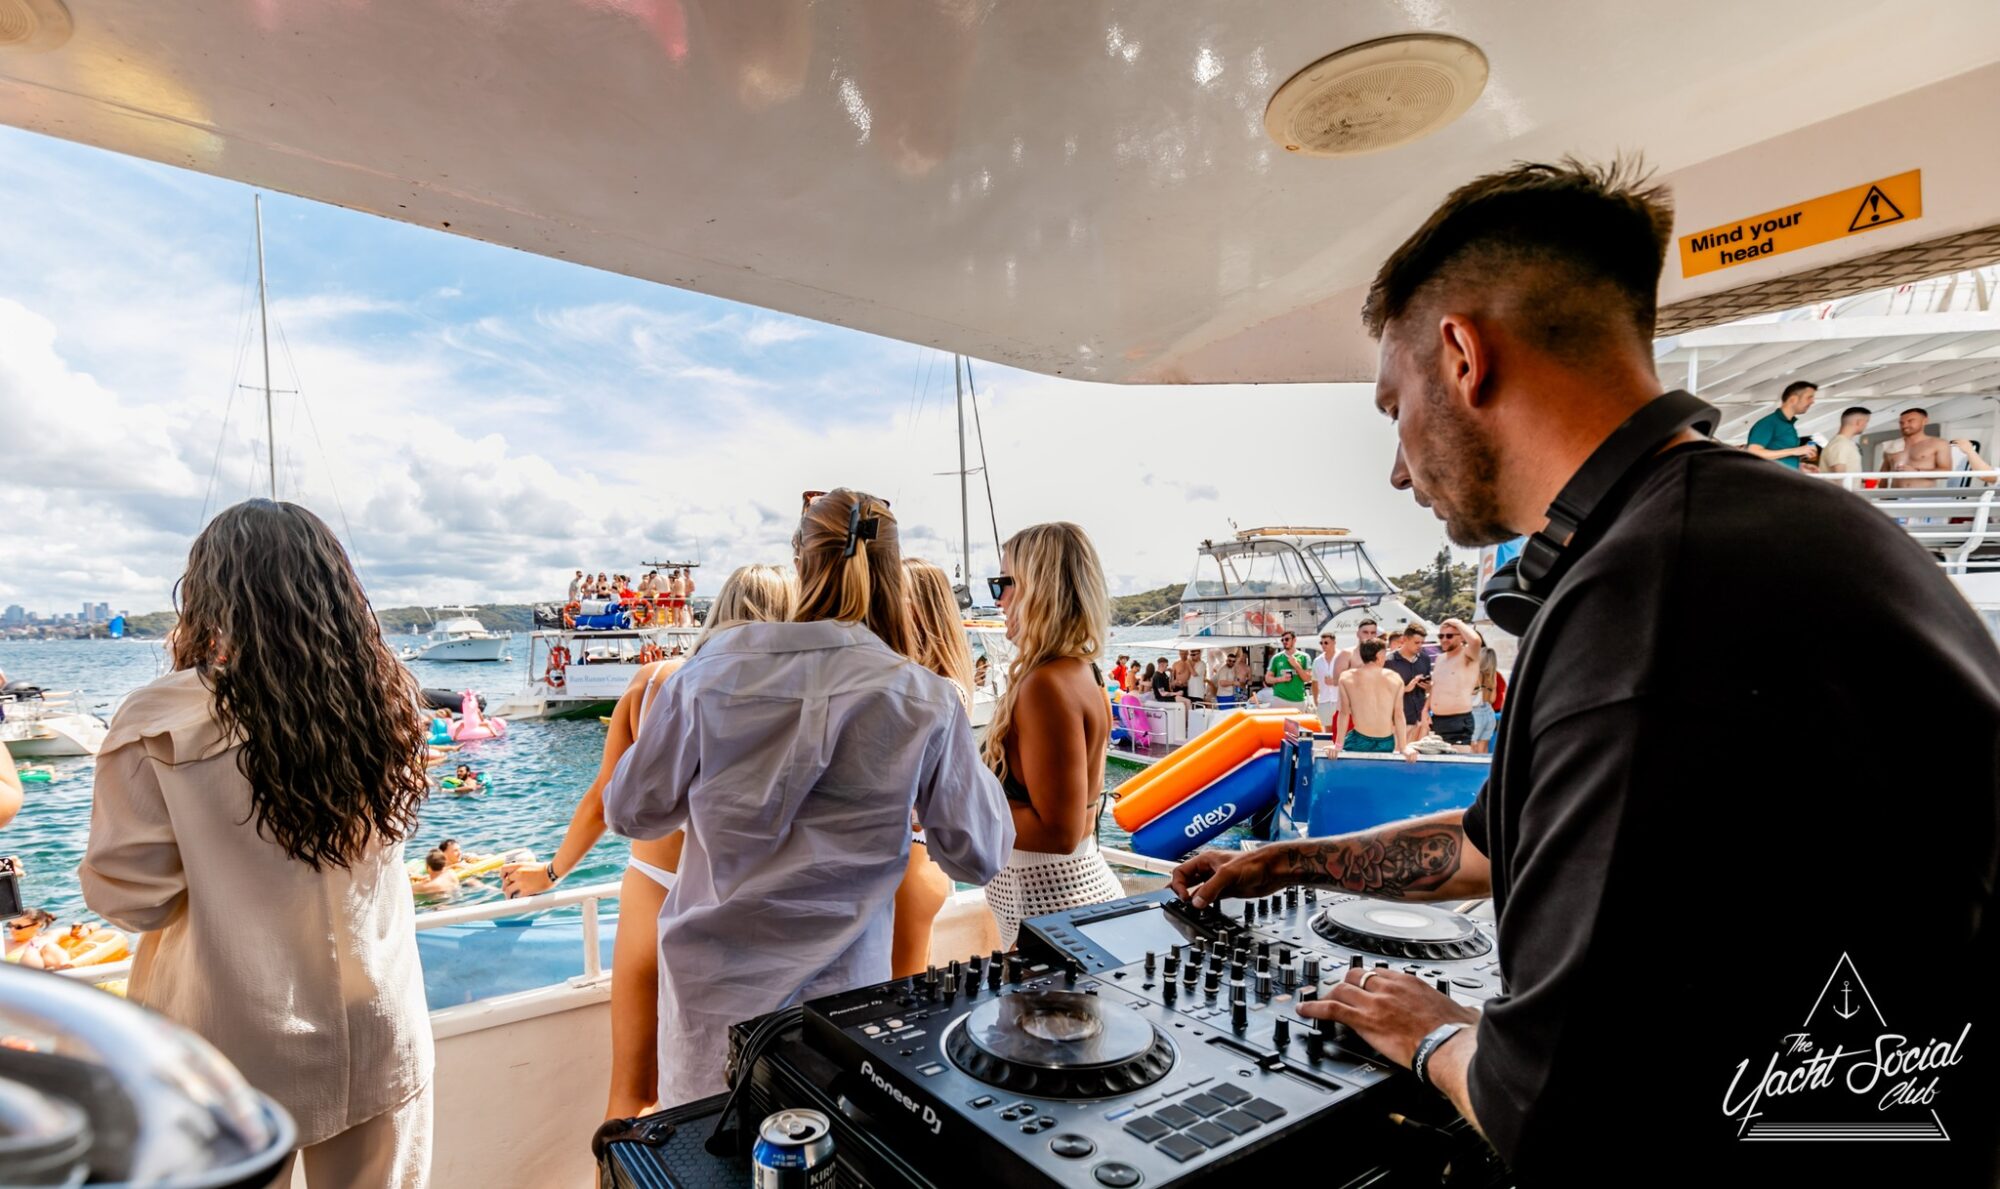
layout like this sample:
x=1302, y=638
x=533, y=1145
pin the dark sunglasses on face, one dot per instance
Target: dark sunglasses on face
x=998, y=584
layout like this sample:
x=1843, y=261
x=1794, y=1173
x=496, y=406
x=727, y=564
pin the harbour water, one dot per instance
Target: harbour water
x=534, y=776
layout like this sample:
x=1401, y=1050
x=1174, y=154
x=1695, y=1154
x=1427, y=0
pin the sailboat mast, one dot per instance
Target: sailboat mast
x=964, y=497
x=264, y=319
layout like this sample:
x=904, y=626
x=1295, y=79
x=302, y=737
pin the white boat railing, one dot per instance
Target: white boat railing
x=1957, y=522
x=590, y=896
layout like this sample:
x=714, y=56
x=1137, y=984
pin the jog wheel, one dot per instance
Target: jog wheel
x=1059, y=1044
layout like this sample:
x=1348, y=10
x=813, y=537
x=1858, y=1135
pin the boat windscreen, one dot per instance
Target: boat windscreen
x=1349, y=568
x=1251, y=569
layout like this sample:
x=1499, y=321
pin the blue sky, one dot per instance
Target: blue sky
x=478, y=420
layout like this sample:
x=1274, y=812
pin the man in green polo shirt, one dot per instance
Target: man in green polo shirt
x=1285, y=677
x=1776, y=434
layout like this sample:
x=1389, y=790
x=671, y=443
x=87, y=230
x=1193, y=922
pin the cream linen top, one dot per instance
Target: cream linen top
x=307, y=980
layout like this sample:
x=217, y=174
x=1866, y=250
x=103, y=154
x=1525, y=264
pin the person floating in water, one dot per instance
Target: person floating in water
x=465, y=782
x=438, y=880
x=28, y=943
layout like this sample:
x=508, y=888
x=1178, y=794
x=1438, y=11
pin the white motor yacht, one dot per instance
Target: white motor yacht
x=43, y=725
x=459, y=636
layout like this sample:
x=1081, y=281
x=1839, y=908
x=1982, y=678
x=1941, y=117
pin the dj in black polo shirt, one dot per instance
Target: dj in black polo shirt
x=1745, y=888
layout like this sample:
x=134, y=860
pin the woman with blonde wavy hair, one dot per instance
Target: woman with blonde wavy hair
x=753, y=594
x=938, y=636
x=793, y=755
x=1049, y=731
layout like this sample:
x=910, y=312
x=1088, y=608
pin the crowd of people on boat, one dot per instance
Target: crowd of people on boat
x=1453, y=690
x=252, y=810
x=666, y=600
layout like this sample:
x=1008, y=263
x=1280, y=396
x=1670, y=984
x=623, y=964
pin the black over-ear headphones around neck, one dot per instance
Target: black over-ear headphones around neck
x=1517, y=590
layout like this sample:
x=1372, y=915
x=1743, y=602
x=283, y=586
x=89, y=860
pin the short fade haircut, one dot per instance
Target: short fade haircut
x=1924, y=413
x=1366, y=623
x=1418, y=630
x=1855, y=411
x=1368, y=650
x=1797, y=386
x=435, y=861
x=1578, y=249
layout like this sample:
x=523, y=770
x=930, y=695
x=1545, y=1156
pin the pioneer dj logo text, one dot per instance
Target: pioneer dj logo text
x=1213, y=817
x=926, y=1113
x=1868, y=1066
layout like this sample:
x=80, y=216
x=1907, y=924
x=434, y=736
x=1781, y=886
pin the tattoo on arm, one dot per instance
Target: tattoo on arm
x=1392, y=862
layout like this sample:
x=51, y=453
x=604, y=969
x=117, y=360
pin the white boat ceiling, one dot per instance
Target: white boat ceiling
x=1078, y=187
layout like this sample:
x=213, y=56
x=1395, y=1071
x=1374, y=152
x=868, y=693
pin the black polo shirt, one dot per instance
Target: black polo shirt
x=1747, y=787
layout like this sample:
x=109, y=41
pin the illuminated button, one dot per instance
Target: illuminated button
x=1180, y=1147
x=872, y=1029
x=894, y=1024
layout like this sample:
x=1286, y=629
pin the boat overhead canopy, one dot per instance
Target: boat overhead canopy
x=975, y=176
x=1269, y=581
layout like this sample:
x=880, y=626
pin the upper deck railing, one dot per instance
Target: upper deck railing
x=1959, y=523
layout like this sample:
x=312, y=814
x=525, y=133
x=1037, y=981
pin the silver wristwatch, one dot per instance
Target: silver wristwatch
x=1431, y=1043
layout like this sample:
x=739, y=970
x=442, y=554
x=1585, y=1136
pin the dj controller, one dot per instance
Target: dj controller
x=1139, y=1042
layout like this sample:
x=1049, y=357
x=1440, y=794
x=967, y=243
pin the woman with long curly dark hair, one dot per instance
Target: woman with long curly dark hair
x=249, y=818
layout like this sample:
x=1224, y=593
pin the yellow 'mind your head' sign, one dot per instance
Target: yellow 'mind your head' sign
x=1815, y=221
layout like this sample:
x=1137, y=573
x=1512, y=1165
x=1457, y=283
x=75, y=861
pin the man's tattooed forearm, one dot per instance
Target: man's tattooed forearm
x=1390, y=862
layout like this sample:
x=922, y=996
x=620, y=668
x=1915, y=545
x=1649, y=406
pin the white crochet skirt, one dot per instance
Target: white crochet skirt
x=1033, y=883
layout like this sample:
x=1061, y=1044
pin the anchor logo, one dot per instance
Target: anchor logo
x=1844, y=1011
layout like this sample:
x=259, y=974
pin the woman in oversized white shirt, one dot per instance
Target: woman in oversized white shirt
x=793, y=756
x=248, y=818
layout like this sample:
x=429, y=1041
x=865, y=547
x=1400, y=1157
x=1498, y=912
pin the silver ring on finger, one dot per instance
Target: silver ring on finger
x=1365, y=976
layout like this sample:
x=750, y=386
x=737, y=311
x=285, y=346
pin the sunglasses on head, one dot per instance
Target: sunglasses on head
x=999, y=583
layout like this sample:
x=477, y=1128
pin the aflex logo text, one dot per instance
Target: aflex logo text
x=1214, y=817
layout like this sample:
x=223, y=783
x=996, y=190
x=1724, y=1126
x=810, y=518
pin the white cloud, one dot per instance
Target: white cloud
x=769, y=332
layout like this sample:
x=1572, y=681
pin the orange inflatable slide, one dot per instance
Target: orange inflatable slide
x=1200, y=762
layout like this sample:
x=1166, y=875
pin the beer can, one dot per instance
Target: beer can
x=794, y=1151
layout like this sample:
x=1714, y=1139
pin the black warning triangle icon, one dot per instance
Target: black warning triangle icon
x=1875, y=210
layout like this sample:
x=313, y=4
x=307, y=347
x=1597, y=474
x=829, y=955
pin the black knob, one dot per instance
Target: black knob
x=1169, y=992
x=1238, y=993
x=977, y=965
x=1315, y=1046
x=1309, y=992
x=950, y=989
x=1236, y=971
x=1263, y=984
x=1152, y=962
x=1444, y=987
x=1249, y=913
x=1172, y=965
x=955, y=969
x=1355, y=962
x=1288, y=975
x=1311, y=971
x=1292, y=895
x=930, y=981
x=993, y=970
x=1239, y=1016
x=1016, y=967
x=1212, y=981
x=1215, y=961
x=1263, y=963
x=1281, y=1033
x=1381, y=965
x=1069, y=976
x=1312, y=895
x=1284, y=954
x=1190, y=973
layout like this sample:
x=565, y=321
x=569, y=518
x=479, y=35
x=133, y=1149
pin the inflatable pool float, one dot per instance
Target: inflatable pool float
x=473, y=725
x=1223, y=777
x=100, y=945
x=36, y=773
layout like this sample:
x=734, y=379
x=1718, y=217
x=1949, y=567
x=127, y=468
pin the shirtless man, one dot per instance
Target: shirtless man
x=1350, y=658
x=1455, y=682
x=683, y=584
x=440, y=881
x=1370, y=718
x=1183, y=675
x=1920, y=451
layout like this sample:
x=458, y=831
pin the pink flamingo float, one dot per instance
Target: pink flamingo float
x=471, y=725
